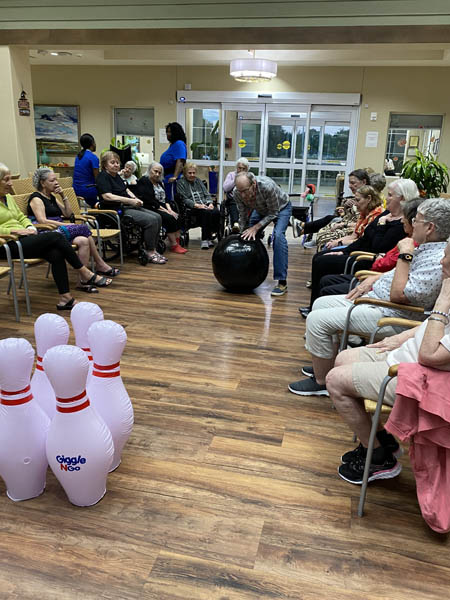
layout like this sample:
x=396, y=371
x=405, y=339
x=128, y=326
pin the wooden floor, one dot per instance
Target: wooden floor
x=228, y=488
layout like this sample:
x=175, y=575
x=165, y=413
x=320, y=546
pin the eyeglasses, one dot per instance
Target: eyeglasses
x=414, y=221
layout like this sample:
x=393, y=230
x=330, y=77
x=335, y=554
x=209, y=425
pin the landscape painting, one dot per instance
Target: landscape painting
x=57, y=128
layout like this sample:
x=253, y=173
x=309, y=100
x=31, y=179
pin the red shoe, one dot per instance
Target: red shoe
x=178, y=249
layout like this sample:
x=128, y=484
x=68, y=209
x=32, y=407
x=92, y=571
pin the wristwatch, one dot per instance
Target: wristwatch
x=406, y=256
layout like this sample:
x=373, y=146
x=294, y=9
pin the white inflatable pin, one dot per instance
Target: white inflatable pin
x=23, y=423
x=82, y=315
x=49, y=330
x=106, y=391
x=80, y=448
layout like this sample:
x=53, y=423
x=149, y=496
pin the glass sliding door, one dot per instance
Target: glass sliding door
x=242, y=137
x=293, y=144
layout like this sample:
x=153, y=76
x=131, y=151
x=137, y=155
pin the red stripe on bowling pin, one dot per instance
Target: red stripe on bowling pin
x=72, y=409
x=39, y=366
x=88, y=350
x=17, y=401
x=98, y=368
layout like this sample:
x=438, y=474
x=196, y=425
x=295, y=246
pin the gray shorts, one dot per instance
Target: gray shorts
x=368, y=374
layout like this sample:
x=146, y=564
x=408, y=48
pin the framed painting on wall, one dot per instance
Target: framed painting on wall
x=57, y=128
x=413, y=141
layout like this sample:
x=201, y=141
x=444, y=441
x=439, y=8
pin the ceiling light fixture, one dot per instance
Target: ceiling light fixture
x=251, y=70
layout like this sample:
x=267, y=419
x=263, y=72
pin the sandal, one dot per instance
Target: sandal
x=67, y=306
x=88, y=288
x=163, y=257
x=113, y=272
x=156, y=259
x=102, y=282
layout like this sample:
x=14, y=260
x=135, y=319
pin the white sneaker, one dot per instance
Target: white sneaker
x=235, y=228
x=210, y=244
x=204, y=245
x=311, y=244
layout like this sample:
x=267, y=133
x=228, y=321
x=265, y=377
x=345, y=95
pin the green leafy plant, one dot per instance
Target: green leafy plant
x=430, y=176
x=118, y=144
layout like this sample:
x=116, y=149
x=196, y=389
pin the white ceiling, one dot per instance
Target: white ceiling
x=321, y=55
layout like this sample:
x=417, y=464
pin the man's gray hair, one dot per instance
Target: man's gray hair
x=248, y=175
x=154, y=163
x=437, y=211
x=406, y=188
x=40, y=175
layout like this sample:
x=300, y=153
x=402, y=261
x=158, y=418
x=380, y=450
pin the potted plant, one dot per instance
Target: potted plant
x=430, y=176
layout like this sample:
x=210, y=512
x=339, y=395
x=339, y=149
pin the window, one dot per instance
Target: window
x=204, y=142
x=408, y=133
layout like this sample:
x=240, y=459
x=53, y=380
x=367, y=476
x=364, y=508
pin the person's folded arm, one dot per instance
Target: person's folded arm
x=402, y=274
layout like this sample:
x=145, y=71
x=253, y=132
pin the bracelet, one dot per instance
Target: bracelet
x=438, y=319
x=439, y=312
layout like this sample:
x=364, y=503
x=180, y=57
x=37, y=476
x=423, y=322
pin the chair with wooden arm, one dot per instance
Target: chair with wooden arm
x=9, y=272
x=375, y=302
x=360, y=255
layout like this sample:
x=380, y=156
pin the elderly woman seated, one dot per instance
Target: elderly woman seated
x=151, y=190
x=196, y=197
x=242, y=166
x=359, y=372
x=45, y=208
x=128, y=173
x=114, y=194
x=416, y=280
x=51, y=246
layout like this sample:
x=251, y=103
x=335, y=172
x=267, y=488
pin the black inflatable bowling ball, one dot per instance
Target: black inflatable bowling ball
x=240, y=265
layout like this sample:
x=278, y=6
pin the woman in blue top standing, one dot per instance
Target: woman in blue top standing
x=86, y=170
x=173, y=159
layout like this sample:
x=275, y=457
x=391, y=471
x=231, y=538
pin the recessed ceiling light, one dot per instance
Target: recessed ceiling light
x=54, y=53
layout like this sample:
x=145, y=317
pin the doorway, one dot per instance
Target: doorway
x=294, y=144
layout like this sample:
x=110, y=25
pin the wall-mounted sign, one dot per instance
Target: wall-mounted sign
x=24, y=105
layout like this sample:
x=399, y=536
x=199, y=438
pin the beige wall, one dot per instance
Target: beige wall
x=18, y=146
x=98, y=89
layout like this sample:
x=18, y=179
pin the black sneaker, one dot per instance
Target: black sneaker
x=308, y=371
x=393, y=448
x=308, y=387
x=304, y=311
x=353, y=472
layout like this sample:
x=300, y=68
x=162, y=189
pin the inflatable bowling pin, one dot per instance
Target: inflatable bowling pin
x=106, y=391
x=23, y=424
x=79, y=444
x=49, y=330
x=82, y=315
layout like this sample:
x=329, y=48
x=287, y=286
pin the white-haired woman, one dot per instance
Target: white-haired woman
x=46, y=208
x=151, y=191
x=128, y=173
x=242, y=166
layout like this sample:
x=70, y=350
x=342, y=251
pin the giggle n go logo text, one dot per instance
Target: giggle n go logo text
x=70, y=463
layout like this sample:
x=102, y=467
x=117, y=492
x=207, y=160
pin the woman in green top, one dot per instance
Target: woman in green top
x=51, y=246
